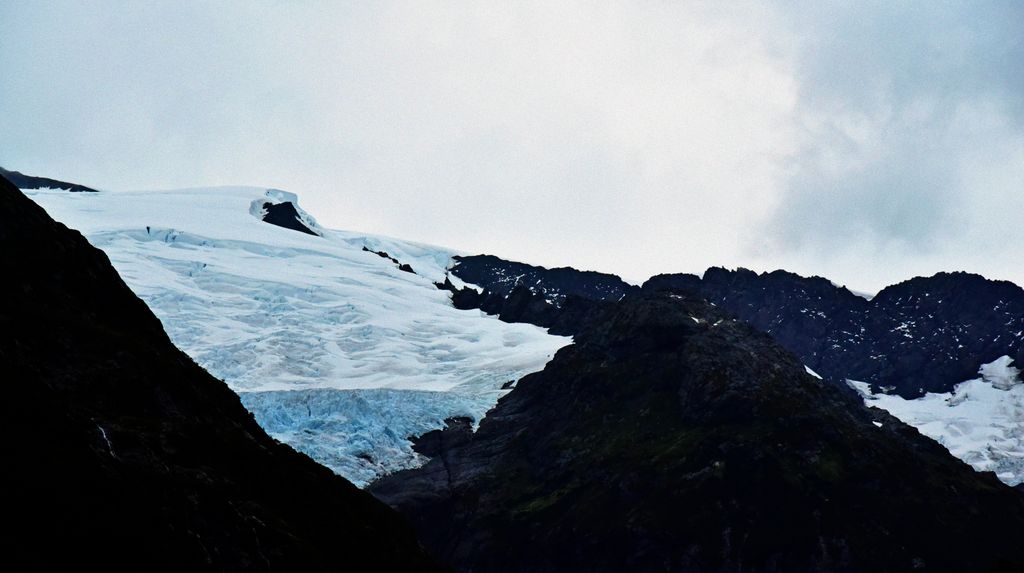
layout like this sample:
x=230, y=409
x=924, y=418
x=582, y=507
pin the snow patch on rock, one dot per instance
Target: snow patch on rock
x=1000, y=374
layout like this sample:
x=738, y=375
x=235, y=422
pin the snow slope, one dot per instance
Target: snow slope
x=334, y=350
x=981, y=421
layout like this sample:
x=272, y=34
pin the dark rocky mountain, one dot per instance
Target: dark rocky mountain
x=670, y=437
x=284, y=214
x=534, y=306
x=925, y=334
x=23, y=181
x=501, y=277
x=404, y=267
x=560, y=299
x=122, y=454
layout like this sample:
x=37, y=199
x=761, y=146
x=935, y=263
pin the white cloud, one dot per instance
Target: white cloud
x=904, y=109
x=629, y=137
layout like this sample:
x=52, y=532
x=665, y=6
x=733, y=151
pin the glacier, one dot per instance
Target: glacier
x=336, y=351
x=360, y=434
x=981, y=421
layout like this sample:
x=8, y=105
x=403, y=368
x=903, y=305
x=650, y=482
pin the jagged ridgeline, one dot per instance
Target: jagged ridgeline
x=922, y=335
x=926, y=334
x=671, y=437
x=122, y=454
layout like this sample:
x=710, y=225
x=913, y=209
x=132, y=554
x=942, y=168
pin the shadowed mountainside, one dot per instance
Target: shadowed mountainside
x=670, y=437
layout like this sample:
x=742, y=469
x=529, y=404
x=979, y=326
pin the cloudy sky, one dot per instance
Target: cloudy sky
x=865, y=141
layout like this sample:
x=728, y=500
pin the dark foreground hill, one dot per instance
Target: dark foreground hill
x=121, y=454
x=670, y=437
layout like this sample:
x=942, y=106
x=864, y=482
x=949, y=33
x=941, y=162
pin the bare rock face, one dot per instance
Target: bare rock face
x=123, y=454
x=925, y=334
x=560, y=299
x=671, y=437
x=285, y=215
x=501, y=277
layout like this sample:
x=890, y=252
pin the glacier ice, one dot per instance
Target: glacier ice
x=334, y=350
x=360, y=434
x=981, y=421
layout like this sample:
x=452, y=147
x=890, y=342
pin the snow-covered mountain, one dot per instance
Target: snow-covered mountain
x=334, y=348
x=343, y=346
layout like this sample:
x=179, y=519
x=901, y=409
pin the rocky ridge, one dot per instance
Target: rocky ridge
x=926, y=334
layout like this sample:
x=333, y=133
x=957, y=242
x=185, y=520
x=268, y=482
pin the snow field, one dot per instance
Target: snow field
x=335, y=350
x=981, y=421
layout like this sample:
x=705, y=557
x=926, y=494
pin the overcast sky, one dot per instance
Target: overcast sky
x=865, y=141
